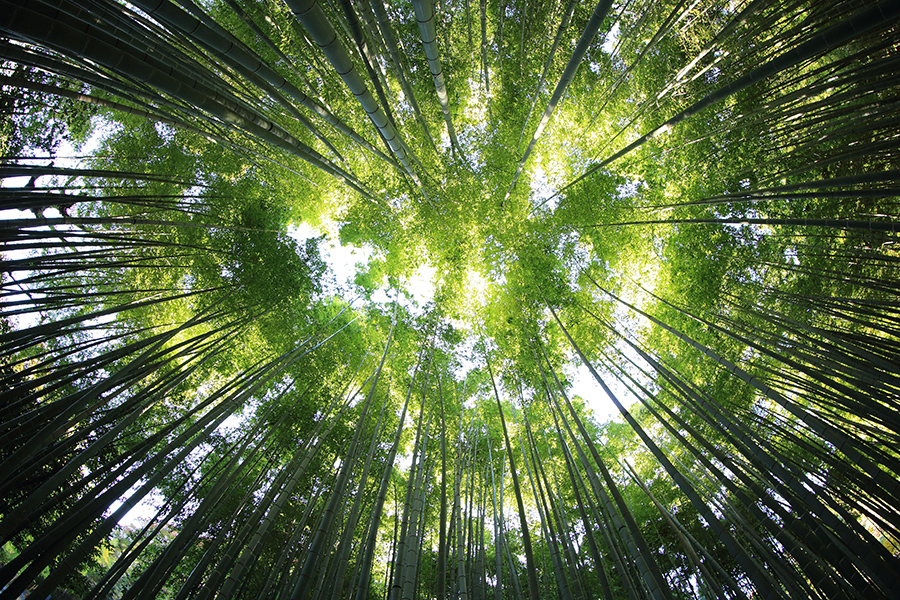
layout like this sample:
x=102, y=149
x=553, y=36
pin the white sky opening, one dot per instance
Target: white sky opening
x=586, y=387
x=476, y=287
x=612, y=38
x=342, y=260
x=472, y=301
x=541, y=190
x=422, y=284
x=142, y=512
x=476, y=107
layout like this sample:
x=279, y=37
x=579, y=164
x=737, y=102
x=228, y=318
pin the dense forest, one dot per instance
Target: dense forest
x=683, y=210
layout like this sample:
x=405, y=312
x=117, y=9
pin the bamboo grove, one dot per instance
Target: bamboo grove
x=691, y=202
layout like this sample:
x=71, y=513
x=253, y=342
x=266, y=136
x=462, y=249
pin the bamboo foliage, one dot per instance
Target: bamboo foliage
x=713, y=244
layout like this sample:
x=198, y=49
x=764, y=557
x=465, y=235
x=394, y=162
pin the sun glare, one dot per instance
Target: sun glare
x=420, y=286
x=476, y=108
x=474, y=296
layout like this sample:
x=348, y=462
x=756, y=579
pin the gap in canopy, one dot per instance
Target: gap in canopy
x=346, y=261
